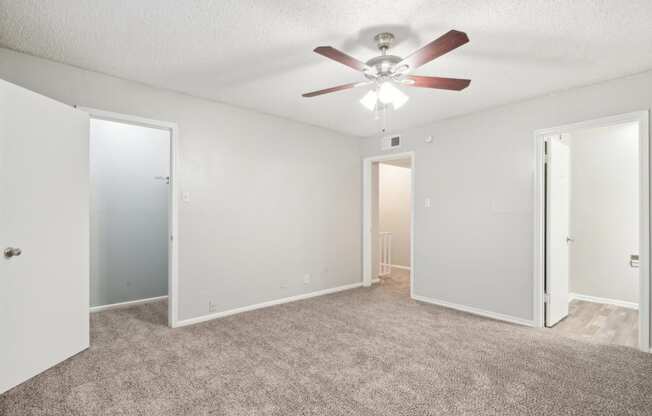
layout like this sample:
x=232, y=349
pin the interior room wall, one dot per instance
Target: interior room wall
x=129, y=212
x=474, y=245
x=271, y=200
x=604, y=211
x=394, y=210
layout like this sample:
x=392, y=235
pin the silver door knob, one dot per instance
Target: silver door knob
x=12, y=252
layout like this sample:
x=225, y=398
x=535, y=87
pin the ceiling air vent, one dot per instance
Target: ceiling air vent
x=390, y=142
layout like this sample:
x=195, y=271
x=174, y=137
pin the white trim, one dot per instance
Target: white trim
x=475, y=311
x=128, y=304
x=539, y=230
x=173, y=238
x=367, y=259
x=204, y=318
x=398, y=266
x=126, y=118
x=604, y=301
x=644, y=239
x=376, y=280
x=642, y=117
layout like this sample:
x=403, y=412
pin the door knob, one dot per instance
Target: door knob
x=12, y=251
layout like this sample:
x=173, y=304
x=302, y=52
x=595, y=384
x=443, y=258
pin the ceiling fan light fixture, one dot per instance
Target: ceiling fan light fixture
x=389, y=94
x=386, y=93
x=384, y=96
x=399, y=99
x=369, y=100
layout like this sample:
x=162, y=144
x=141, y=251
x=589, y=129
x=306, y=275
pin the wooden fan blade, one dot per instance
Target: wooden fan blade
x=341, y=57
x=334, y=89
x=436, y=48
x=437, y=82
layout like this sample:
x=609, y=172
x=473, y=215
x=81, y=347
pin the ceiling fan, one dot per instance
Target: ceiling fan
x=385, y=70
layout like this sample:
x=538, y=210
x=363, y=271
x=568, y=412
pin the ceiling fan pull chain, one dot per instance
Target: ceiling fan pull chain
x=383, y=119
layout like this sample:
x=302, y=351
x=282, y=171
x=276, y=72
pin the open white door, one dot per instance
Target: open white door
x=44, y=233
x=557, y=229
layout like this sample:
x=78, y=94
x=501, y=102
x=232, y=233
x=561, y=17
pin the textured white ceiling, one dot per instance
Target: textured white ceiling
x=258, y=54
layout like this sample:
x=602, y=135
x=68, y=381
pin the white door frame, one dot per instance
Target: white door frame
x=642, y=118
x=367, y=241
x=173, y=241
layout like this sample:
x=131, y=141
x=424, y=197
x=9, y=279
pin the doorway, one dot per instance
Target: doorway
x=132, y=212
x=388, y=218
x=592, y=230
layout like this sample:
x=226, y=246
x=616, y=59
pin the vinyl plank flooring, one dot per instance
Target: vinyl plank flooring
x=596, y=322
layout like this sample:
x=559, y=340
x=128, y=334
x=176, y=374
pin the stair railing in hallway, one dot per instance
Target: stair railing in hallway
x=385, y=249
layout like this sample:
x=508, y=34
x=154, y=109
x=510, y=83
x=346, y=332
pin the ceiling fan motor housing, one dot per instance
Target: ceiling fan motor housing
x=383, y=67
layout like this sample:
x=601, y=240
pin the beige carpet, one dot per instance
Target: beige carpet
x=360, y=352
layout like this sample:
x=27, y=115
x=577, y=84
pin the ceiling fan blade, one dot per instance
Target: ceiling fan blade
x=437, y=82
x=438, y=47
x=339, y=56
x=334, y=89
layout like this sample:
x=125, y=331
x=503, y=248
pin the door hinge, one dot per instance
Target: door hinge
x=546, y=298
x=546, y=158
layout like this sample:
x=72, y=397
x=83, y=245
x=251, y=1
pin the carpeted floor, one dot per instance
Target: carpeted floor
x=359, y=352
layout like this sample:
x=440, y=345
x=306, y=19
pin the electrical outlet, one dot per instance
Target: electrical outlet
x=212, y=307
x=306, y=278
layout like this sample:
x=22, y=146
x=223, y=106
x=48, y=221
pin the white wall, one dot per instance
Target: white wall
x=394, y=210
x=604, y=211
x=474, y=246
x=271, y=199
x=129, y=212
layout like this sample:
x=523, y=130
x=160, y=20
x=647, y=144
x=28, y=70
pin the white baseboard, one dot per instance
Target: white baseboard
x=398, y=266
x=606, y=301
x=204, y=318
x=126, y=304
x=376, y=280
x=475, y=311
